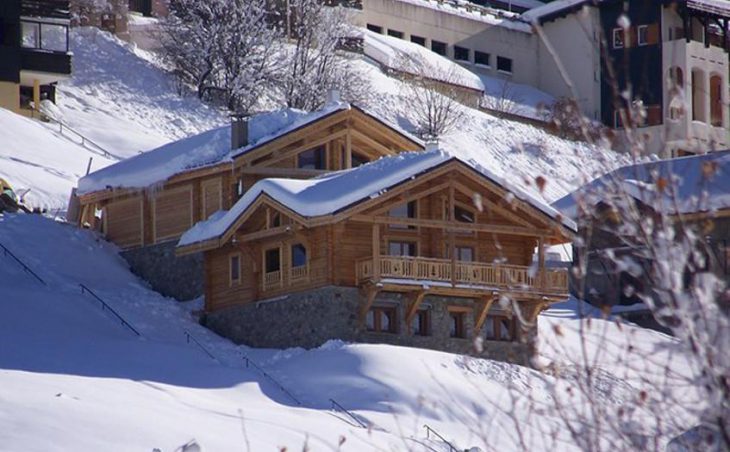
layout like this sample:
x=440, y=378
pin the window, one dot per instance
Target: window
x=358, y=159
x=273, y=219
x=395, y=33
x=643, y=34
x=504, y=64
x=458, y=324
x=438, y=47
x=407, y=210
x=618, y=38
x=500, y=328
x=382, y=319
x=298, y=255
x=463, y=253
x=235, y=269
x=375, y=28
x=461, y=53
x=421, y=41
x=312, y=159
x=463, y=215
x=402, y=248
x=481, y=58
x=44, y=36
x=421, y=325
x=272, y=259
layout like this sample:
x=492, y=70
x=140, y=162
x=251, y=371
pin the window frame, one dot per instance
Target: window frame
x=375, y=313
x=291, y=255
x=421, y=323
x=319, y=151
x=439, y=44
x=231, y=280
x=488, y=56
x=266, y=251
x=401, y=242
x=420, y=40
x=374, y=28
x=411, y=213
x=459, y=49
x=645, y=41
x=618, y=33
x=457, y=320
x=505, y=59
x=395, y=33
x=496, y=322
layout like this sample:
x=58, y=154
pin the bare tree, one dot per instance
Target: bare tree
x=504, y=101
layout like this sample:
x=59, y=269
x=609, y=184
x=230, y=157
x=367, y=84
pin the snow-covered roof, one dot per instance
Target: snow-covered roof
x=553, y=9
x=696, y=184
x=334, y=192
x=403, y=56
x=205, y=149
x=468, y=10
x=720, y=7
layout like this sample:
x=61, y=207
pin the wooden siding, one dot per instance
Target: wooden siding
x=123, y=222
x=212, y=197
x=172, y=212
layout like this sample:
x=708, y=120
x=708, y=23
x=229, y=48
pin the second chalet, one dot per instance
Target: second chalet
x=419, y=249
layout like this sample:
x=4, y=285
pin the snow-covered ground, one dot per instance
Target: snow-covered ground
x=72, y=378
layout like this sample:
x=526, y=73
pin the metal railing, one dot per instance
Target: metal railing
x=430, y=431
x=85, y=142
x=337, y=407
x=7, y=252
x=106, y=307
x=189, y=337
x=266, y=375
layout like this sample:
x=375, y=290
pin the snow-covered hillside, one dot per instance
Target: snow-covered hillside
x=120, y=97
x=72, y=378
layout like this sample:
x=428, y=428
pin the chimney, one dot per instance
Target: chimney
x=239, y=131
x=333, y=96
x=432, y=144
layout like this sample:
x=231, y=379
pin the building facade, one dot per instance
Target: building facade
x=34, y=51
x=668, y=59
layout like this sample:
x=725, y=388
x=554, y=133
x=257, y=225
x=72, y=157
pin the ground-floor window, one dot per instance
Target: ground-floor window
x=458, y=324
x=273, y=260
x=235, y=269
x=421, y=324
x=382, y=319
x=500, y=328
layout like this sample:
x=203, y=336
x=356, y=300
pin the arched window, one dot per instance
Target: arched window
x=716, y=100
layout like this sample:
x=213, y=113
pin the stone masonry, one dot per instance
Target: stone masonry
x=177, y=277
x=308, y=319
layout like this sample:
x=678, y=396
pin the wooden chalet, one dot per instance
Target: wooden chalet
x=154, y=197
x=426, y=227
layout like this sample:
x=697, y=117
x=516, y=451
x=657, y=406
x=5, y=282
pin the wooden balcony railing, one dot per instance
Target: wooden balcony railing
x=298, y=274
x=465, y=273
x=272, y=280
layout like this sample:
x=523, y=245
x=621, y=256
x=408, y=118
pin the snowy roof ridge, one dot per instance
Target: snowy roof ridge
x=337, y=191
x=474, y=12
x=556, y=8
x=695, y=192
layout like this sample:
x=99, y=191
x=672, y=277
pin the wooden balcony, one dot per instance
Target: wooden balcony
x=465, y=275
x=275, y=280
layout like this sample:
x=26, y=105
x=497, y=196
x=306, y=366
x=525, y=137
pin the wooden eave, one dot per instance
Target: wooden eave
x=559, y=232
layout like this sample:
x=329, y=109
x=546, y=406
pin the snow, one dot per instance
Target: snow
x=516, y=98
x=35, y=156
x=122, y=98
x=74, y=379
x=696, y=184
x=407, y=57
x=536, y=14
x=205, y=149
x=333, y=192
x=474, y=12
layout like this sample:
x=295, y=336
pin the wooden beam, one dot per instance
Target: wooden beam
x=414, y=302
x=384, y=150
x=452, y=240
x=409, y=196
x=267, y=233
x=376, y=252
x=287, y=153
x=371, y=292
x=452, y=225
x=282, y=172
x=348, y=150
x=495, y=207
x=541, y=261
x=480, y=315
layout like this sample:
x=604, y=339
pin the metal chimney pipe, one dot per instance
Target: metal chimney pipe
x=239, y=131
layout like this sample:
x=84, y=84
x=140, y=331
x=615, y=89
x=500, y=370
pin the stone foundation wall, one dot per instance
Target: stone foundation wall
x=177, y=277
x=308, y=319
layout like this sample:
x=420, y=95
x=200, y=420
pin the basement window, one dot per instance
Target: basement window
x=500, y=328
x=458, y=324
x=382, y=319
x=421, y=325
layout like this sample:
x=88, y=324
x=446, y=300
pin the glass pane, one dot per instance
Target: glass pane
x=463, y=215
x=489, y=328
x=53, y=37
x=409, y=249
x=312, y=159
x=370, y=320
x=466, y=254
x=298, y=255
x=235, y=268
x=385, y=320
x=394, y=248
x=272, y=260
x=505, y=329
x=30, y=37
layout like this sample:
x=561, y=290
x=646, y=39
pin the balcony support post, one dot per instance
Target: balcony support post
x=541, y=262
x=414, y=301
x=452, y=245
x=480, y=316
x=376, y=252
x=371, y=291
